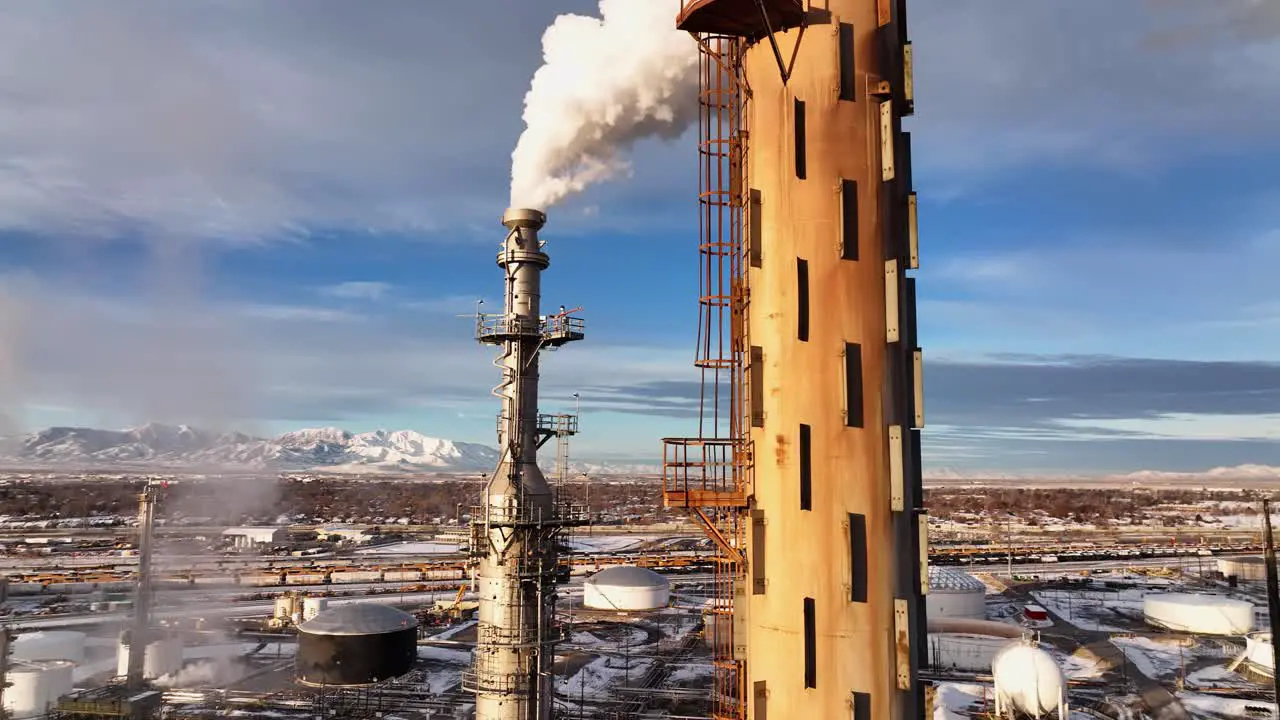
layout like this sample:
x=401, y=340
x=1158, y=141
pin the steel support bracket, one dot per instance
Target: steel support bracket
x=784, y=67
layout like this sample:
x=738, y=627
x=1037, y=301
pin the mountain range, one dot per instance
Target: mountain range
x=336, y=450
x=184, y=446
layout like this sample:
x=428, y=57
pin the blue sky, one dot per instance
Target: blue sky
x=270, y=216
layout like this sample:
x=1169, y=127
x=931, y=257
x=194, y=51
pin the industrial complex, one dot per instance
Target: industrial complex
x=800, y=574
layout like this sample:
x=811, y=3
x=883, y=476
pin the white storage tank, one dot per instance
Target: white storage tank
x=1247, y=568
x=49, y=645
x=313, y=606
x=288, y=607
x=1028, y=680
x=626, y=588
x=1259, y=654
x=955, y=594
x=966, y=652
x=163, y=657
x=1201, y=614
x=35, y=687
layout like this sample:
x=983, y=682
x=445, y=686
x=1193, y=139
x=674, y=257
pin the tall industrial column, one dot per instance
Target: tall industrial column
x=828, y=608
x=140, y=631
x=515, y=528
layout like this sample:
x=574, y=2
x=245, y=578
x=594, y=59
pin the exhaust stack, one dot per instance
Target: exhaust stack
x=515, y=528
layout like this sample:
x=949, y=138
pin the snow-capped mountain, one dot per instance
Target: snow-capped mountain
x=182, y=445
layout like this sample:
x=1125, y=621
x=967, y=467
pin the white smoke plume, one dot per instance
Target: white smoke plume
x=605, y=83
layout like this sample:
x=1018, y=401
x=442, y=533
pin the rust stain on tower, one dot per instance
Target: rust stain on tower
x=807, y=340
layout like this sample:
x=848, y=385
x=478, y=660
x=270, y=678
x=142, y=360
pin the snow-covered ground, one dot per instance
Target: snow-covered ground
x=1080, y=666
x=1209, y=707
x=610, y=543
x=413, y=548
x=1155, y=658
x=953, y=700
x=1092, y=610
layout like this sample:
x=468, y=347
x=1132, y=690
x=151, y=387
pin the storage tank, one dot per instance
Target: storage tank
x=1028, y=680
x=163, y=656
x=955, y=594
x=313, y=606
x=356, y=644
x=626, y=588
x=288, y=607
x=1201, y=614
x=35, y=687
x=1258, y=654
x=49, y=645
x=961, y=651
x=1247, y=568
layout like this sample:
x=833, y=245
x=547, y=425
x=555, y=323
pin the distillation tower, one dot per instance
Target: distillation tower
x=806, y=468
x=515, y=528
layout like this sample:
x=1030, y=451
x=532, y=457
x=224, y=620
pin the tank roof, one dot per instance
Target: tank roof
x=359, y=619
x=629, y=576
x=944, y=579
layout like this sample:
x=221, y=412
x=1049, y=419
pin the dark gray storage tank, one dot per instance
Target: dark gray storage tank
x=356, y=644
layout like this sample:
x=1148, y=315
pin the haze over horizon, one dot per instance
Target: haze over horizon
x=269, y=217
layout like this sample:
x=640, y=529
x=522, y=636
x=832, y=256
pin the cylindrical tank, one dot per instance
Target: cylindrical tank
x=49, y=645
x=626, y=588
x=163, y=656
x=35, y=687
x=356, y=644
x=1258, y=653
x=1247, y=568
x=961, y=651
x=1028, y=680
x=313, y=606
x=955, y=594
x=1203, y=614
x=288, y=607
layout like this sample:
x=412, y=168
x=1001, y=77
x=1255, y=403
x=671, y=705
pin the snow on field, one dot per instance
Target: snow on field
x=447, y=634
x=1209, y=707
x=952, y=699
x=1080, y=666
x=413, y=548
x=1091, y=609
x=440, y=681
x=1154, y=658
x=1216, y=676
x=592, y=679
x=691, y=673
x=609, y=543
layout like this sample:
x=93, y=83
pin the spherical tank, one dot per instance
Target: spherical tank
x=1028, y=679
x=626, y=588
x=35, y=687
x=1204, y=614
x=49, y=645
x=955, y=594
x=356, y=644
x=313, y=606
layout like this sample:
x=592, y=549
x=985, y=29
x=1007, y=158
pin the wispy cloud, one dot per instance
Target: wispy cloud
x=358, y=290
x=238, y=121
